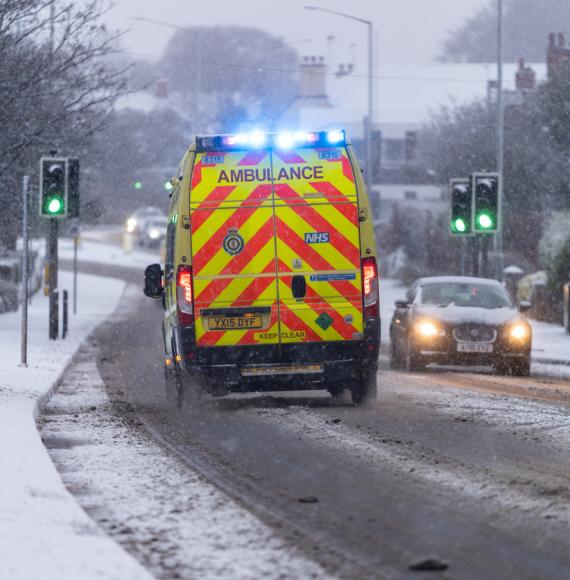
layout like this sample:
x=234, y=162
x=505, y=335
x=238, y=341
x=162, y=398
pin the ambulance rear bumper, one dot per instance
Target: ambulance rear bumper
x=310, y=364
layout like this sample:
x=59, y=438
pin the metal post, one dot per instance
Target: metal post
x=370, y=124
x=25, y=271
x=485, y=256
x=52, y=279
x=500, y=138
x=75, y=244
x=65, y=314
x=475, y=255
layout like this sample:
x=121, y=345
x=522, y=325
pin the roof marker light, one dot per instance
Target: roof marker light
x=335, y=137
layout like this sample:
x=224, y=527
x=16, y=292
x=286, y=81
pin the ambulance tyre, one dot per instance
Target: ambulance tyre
x=364, y=387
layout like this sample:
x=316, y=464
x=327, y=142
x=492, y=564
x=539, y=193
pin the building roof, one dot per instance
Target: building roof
x=404, y=95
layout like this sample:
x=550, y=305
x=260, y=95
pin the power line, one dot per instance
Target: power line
x=295, y=70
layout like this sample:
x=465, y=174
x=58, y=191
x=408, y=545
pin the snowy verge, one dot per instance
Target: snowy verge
x=107, y=252
x=43, y=532
x=165, y=514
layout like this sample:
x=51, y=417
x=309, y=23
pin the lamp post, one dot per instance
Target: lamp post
x=368, y=128
x=500, y=136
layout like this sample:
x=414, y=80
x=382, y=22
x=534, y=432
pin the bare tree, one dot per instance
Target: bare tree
x=56, y=87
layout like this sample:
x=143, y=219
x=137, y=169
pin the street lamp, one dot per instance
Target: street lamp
x=368, y=167
x=500, y=136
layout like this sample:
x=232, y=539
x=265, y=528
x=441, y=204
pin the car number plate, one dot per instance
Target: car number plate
x=234, y=322
x=474, y=347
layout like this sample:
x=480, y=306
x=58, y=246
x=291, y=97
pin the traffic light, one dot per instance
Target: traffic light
x=461, y=206
x=73, y=188
x=53, y=187
x=486, y=202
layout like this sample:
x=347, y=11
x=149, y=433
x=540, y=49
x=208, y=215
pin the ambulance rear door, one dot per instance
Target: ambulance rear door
x=318, y=245
x=233, y=248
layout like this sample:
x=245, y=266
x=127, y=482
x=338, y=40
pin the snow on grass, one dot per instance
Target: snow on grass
x=107, y=252
x=43, y=532
x=163, y=513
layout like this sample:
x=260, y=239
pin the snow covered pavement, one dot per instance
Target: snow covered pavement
x=43, y=532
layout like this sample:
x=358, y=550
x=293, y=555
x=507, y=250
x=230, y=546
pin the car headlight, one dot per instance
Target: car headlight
x=154, y=234
x=518, y=331
x=428, y=329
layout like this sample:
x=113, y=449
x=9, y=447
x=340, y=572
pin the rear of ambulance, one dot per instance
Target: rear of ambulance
x=283, y=269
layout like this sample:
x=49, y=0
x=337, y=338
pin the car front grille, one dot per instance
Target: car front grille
x=474, y=333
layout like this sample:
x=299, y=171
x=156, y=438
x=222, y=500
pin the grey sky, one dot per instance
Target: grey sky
x=409, y=31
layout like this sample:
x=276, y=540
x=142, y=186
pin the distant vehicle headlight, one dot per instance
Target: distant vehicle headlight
x=131, y=225
x=428, y=329
x=518, y=331
x=154, y=234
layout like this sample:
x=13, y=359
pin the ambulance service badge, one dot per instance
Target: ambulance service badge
x=233, y=243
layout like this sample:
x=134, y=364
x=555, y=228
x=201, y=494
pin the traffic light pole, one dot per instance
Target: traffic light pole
x=52, y=278
x=25, y=270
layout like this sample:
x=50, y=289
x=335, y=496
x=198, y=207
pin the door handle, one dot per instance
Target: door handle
x=299, y=286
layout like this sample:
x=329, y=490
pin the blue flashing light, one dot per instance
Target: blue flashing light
x=335, y=137
x=286, y=140
x=258, y=139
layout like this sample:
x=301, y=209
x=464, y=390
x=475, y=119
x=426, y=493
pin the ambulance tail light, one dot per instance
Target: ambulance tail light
x=185, y=295
x=370, y=285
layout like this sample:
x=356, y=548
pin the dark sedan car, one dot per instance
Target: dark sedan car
x=460, y=320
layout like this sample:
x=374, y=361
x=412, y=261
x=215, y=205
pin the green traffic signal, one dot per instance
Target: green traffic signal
x=54, y=205
x=138, y=184
x=485, y=221
x=461, y=206
x=486, y=193
x=53, y=187
x=459, y=225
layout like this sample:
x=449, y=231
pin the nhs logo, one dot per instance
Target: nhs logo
x=317, y=238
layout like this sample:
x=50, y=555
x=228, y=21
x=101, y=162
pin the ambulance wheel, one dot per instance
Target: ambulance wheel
x=364, y=388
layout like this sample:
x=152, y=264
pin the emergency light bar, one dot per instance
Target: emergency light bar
x=261, y=140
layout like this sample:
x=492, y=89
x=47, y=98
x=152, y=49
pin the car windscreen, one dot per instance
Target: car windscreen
x=474, y=295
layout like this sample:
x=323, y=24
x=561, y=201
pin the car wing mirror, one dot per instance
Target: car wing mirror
x=153, y=287
x=402, y=303
x=524, y=306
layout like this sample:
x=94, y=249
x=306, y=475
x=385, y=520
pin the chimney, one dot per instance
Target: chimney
x=558, y=58
x=525, y=78
x=313, y=78
x=161, y=89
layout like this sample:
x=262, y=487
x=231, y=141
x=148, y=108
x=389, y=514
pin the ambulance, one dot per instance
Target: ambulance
x=270, y=280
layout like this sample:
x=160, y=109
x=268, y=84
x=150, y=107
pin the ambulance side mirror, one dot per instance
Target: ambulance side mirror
x=153, y=281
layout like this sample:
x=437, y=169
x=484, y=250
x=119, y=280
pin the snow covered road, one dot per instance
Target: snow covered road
x=470, y=468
